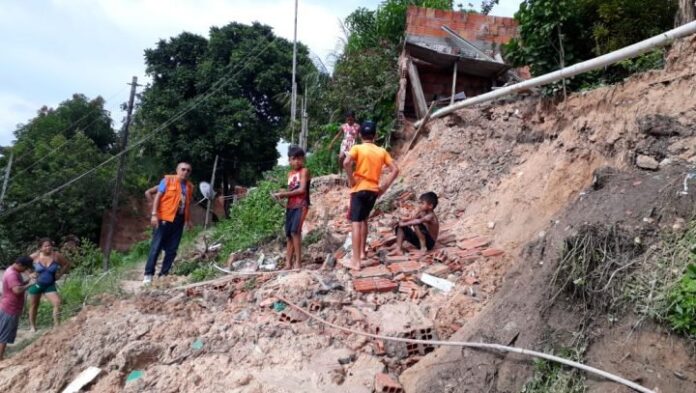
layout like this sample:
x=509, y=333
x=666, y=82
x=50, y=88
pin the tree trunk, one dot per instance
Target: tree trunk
x=686, y=13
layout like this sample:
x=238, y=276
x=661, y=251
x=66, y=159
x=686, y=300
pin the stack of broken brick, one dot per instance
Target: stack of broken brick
x=384, y=271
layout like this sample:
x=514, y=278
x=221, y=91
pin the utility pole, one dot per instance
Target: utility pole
x=6, y=181
x=119, y=176
x=293, y=103
x=303, y=127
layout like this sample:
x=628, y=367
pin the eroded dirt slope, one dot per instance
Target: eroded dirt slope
x=525, y=175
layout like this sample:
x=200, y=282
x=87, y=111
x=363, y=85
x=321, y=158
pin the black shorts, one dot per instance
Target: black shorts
x=411, y=237
x=294, y=218
x=361, y=204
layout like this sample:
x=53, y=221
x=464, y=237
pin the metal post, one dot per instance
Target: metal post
x=293, y=104
x=119, y=177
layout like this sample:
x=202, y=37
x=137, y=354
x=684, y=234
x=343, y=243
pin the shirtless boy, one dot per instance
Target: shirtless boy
x=421, y=230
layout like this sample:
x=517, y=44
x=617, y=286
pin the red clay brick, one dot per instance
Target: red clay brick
x=476, y=242
x=374, y=284
x=369, y=262
x=405, y=267
x=374, y=271
x=492, y=252
x=397, y=258
x=439, y=270
x=384, y=383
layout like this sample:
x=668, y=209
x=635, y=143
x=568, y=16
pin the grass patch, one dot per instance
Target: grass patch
x=552, y=377
x=663, y=289
x=202, y=273
x=86, y=280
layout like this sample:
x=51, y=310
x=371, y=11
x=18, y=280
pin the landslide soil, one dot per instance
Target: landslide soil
x=525, y=173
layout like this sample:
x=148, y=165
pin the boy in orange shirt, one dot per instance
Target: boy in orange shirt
x=369, y=159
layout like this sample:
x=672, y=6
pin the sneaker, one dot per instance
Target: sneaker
x=147, y=279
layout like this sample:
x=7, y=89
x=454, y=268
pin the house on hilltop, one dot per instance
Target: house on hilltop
x=449, y=56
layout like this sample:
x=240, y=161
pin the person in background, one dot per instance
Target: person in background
x=350, y=130
x=49, y=266
x=297, y=206
x=171, y=201
x=12, y=301
x=364, y=180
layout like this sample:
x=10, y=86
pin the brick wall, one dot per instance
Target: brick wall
x=471, y=26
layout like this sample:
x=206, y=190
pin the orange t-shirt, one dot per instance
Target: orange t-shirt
x=369, y=160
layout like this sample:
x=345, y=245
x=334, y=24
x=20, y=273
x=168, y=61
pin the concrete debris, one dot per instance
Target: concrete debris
x=435, y=282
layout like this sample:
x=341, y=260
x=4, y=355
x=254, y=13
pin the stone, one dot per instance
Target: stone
x=647, y=162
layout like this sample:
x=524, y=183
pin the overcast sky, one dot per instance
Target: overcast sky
x=54, y=48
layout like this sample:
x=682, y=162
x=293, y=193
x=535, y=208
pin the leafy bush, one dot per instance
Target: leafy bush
x=254, y=218
x=87, y=258
x=323, y=161
x=682, y=299
x=203, y=273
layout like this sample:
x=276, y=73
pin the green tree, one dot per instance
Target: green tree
x=577, y=30
x=241, y=122
x=70, y=117
x=49, y=153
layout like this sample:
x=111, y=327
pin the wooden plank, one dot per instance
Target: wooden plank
x=421, y=126
x=403, y=82
x=454, y=83
x=417, y=89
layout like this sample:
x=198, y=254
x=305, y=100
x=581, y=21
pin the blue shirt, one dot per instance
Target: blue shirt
x=182, y=203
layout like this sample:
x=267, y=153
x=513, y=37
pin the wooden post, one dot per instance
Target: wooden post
x=454, y=82
x=417, y=89
x=293, y=99
x=423, y=121
x=211, y=199
x=119, y=176
x=6, y=181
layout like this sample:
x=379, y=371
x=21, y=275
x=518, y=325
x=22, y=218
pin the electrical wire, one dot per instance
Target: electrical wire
x=73, y=124
x=211, y=91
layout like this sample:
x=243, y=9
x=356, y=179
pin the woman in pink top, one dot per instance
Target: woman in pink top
x=350, y=130
x=12, y=302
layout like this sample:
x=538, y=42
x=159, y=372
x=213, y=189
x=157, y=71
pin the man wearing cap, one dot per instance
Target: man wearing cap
x=171, y=200
x=12, y=301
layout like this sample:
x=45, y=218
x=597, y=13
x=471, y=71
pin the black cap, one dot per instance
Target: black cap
x=368, y=129
x=25, y=261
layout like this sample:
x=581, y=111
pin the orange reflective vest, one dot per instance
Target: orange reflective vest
x=171, y=198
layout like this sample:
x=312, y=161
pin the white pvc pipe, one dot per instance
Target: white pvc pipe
x=465, y=344
x=628, y=52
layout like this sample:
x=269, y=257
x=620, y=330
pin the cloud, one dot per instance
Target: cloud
x=13, y=111
x=147, y=21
